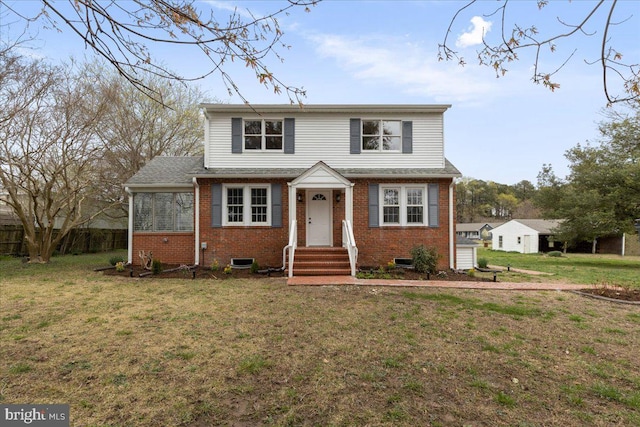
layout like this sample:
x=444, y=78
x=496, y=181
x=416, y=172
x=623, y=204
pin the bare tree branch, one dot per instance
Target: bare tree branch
x=518, y=38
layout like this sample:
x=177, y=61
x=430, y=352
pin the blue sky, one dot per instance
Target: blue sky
x=379, y=52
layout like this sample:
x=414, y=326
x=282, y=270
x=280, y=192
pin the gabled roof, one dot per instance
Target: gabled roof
x=167, y=171
x=475, y=226
x=542, y=226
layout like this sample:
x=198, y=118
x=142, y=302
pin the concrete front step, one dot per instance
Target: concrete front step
x=321, y=262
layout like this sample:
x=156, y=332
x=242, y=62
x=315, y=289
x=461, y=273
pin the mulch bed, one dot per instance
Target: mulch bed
x=615, y=293
x=207, y=273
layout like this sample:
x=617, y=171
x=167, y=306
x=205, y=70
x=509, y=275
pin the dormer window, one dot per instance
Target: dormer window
x=263, y=135
x=381, y=135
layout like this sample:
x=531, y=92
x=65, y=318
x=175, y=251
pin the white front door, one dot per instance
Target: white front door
x=319, y=218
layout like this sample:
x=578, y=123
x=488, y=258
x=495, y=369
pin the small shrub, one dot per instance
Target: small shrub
x=156, y=266
x=115, y=259
x=483, y=263
x=120, y=266
x=424, y=259
x=228, y=269
x=471, y=272
x=254, y=267
x=391, y=265
x=555, y=254
x=214, y=265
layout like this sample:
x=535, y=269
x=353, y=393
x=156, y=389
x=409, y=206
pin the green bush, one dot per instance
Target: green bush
x=115, y=259
x=425, y=260
x=156, y=266
x=483, y=262
x=255, y=267
x=555, y=254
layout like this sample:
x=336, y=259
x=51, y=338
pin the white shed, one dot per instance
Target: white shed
x=466, y=253
x=522, y=235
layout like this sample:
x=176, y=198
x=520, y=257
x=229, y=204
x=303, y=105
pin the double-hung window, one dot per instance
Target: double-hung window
x=263, y=135
x=381, y=135
x=163, y=212
x=247, y=204
x=403, y=205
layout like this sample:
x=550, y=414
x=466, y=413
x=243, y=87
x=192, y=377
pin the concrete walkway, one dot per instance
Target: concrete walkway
x=349, y=280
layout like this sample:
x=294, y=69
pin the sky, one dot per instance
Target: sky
x=386, y=52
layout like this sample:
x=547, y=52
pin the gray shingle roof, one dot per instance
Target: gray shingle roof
x=167, y=171
x=542, y=226
x=176, y=171
x=449, y=171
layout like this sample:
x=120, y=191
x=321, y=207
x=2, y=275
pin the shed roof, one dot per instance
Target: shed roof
x=167, y=171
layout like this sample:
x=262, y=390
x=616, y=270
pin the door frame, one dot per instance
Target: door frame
x=328, y=193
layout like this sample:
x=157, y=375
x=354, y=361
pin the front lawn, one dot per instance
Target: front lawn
x=181, y=352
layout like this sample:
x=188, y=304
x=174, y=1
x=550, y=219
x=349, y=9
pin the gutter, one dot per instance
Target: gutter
x=196, y=224
x=452, y=241
x=130, y=228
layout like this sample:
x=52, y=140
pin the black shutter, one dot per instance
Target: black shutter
x=216, y=205
x=276, y=205
x=407, y=137
x=374, y=214
x=289, y=136
x=355, y=136
x=236, y=135
x=433, y=197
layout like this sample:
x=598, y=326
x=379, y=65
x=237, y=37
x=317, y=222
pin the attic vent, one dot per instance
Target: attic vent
x=241, y=263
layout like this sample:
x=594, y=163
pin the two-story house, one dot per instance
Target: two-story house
x=279, y=181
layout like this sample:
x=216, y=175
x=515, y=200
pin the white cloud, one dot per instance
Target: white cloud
x=405, y=66
x=477, y=31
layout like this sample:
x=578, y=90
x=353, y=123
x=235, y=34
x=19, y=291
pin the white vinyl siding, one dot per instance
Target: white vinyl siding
x=326, y=137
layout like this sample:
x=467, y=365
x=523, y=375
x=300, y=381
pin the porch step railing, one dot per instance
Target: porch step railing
x=291, y=247
x=350, y=243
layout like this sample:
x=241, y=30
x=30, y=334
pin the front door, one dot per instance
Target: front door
x=319, y=218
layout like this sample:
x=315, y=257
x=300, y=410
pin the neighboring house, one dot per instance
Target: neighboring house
x=278, y=179
x=474, y=230
x=525, y=236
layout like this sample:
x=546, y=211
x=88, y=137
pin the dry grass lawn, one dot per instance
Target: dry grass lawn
x=147, y=352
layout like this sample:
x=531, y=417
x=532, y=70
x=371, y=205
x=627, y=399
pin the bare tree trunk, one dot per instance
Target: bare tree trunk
x=594, y=245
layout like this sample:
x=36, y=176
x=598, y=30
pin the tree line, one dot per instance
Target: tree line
x=71, y=135
x=599, y=197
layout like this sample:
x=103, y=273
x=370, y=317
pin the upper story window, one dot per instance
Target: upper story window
x=163, y=212
x=381, y=135
x=263, y=135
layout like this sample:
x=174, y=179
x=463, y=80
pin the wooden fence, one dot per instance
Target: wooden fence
x=82, y=240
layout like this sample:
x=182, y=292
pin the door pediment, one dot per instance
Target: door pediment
x=321, y=176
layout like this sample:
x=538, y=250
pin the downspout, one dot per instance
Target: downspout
x=196, y=227
x=130, y=227
x=452, y=242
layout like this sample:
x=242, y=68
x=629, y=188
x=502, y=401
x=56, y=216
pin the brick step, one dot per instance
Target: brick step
x=321, y=272
x=321, y=261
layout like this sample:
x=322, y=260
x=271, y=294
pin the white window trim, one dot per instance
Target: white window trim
x=246, y=203
x=380, y=148
x=263, y=141
x=403, y=205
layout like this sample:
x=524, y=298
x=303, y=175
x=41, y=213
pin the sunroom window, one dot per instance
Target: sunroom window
x=163, y=212
x=263, y=134
x=381, y=135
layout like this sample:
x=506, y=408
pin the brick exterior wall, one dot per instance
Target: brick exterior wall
x=376, y=246
x=169, y=248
